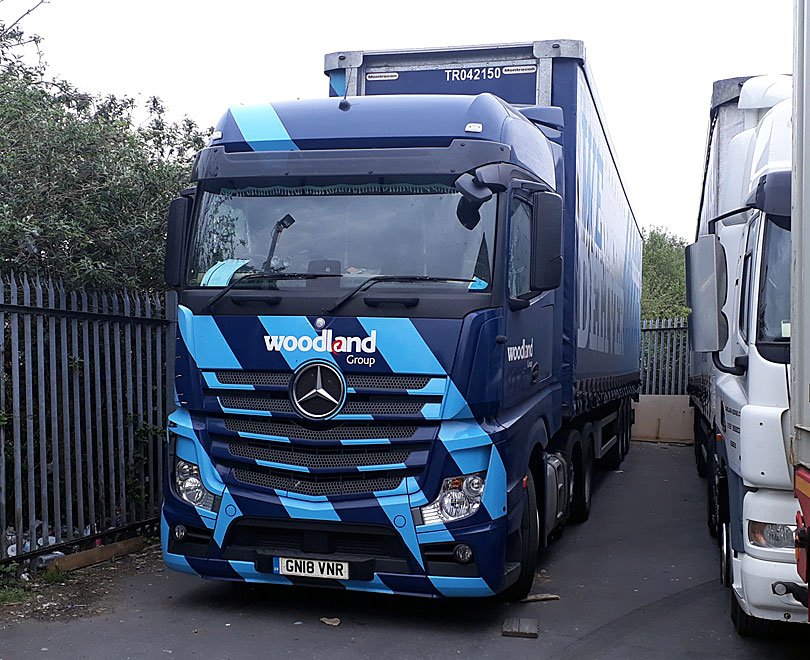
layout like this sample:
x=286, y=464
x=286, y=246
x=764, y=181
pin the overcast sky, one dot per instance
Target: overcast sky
x=653, y=62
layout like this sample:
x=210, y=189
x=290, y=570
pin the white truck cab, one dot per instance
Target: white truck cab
x=738, y=284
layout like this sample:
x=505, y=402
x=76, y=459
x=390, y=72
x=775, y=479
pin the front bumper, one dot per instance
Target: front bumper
x=415, y=572
x=753, y=580
x=235, y=541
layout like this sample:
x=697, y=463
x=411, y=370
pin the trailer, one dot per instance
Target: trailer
x=408, y=326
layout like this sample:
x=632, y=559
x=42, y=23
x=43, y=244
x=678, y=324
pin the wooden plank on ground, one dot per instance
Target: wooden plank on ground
x=97, y=555
x=520, y=627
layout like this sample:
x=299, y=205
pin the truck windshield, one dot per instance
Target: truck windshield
x=774, y=287
x=356, y=231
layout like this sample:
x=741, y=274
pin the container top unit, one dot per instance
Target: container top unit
x=518, y=73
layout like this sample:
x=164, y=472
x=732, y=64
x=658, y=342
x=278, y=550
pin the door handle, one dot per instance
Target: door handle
x=535, y=372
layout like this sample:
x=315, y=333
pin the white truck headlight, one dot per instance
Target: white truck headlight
x=771, y=535
x=459, y=497
x=189, y=485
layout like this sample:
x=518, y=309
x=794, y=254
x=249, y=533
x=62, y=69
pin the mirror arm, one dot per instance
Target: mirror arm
x=518, y=303
x=739, y=368
x=713, y=222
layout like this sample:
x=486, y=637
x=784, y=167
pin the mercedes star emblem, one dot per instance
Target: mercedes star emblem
x=318, y=390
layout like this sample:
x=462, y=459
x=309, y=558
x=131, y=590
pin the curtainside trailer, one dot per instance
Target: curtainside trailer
x=408, y=326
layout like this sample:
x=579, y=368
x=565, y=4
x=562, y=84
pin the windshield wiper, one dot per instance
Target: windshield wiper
x=263, y=276
x=371, y=281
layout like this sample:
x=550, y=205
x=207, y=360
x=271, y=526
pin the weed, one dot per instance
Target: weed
x=54, y=576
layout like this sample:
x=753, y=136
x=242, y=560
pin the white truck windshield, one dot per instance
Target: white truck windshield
x=774, y=288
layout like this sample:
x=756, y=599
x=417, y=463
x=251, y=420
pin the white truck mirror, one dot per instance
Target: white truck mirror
x=706, y=290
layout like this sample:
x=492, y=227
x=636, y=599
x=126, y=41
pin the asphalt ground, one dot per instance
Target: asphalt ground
x=638, y=580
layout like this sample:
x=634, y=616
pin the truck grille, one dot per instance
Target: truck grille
x=292, y=429
x=355, y=381
x=319, y=457
x=314, y=537
x=306, y=484
x=391, y=405
x=261, y=378
x=339, y=457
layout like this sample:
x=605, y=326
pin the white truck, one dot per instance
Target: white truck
x=799, y=450
x=738, y=287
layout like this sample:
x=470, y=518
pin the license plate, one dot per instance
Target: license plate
x=319, y=568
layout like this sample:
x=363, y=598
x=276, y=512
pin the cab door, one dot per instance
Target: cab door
x=529, y=315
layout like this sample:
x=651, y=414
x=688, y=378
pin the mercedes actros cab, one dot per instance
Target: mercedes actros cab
x=408, y=326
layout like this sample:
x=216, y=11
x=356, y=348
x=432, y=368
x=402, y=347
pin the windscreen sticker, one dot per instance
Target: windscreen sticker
x=220, y=273
x=262, y=128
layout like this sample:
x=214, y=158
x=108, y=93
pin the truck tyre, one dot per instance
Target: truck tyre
x=745, y=624
x=530, y=540
x=583, y=478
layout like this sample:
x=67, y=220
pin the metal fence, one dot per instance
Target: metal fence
x=664, y=356
x=82, y=402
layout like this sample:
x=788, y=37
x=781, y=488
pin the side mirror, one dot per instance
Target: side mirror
x=473, y=196
x=179, y=211
x=547, y=225
x=706, y=287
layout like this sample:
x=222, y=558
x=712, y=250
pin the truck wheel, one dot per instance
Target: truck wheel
x=530, y=541
x=583, y=478
x=745, y=624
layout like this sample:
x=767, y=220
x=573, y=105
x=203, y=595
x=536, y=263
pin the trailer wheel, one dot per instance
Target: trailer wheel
x=530, y=540
x=745, y=624
x=583, y=477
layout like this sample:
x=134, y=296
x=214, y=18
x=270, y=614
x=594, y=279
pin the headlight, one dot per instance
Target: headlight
x=189, y=485
x=771, y=535
x=459, y=497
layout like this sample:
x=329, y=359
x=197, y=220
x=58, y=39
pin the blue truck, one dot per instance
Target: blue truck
x=408, y=326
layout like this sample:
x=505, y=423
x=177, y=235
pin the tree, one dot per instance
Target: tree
x=663, y=289
x=85, y=191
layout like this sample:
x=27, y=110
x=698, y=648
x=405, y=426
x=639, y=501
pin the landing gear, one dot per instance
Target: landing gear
x=700, y=444
x=713, y=518
x=613, y=459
